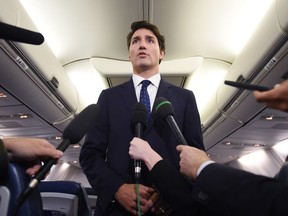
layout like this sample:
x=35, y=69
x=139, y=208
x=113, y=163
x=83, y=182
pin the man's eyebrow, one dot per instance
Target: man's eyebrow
x=136, y=37
x=150, y=37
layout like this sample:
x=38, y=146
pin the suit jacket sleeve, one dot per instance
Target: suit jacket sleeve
x=237, y=192
x=93, y=155
x=176, y=189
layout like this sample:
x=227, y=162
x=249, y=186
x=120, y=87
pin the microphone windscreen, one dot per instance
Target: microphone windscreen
x=79, y=126
x=14, y=33
x=163, y=107
x=139, y=114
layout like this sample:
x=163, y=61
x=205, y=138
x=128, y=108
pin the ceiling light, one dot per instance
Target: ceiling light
x=2, y=95
x=269, y=118
x=23, y=116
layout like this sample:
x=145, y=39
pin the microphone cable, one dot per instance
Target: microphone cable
x=138, y=123
x=139, y=212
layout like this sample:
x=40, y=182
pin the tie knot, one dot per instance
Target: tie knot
x=145, y=83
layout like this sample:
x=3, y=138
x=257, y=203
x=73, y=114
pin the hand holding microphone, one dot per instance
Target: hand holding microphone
x=72, y=134
x=138, y=123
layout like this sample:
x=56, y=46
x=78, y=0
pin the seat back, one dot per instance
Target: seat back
x=282, y=175
x=92, y=198
x=64, y=198
x=17, y=181
x=4, y=200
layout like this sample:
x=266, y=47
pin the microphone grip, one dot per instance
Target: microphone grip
x=50, y=162
x=174, y=127
x=40, y=175
x=137, y=163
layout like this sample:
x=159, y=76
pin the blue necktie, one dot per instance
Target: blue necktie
x=144, y=96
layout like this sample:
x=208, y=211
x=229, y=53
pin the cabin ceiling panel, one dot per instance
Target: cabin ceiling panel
x=207, y=28
x=6, y=100
x=84, y=22
x=231, y=152
x=212, y=29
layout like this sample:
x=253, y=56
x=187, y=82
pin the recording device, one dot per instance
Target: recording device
x=164, y=109
x=13, y=33
x=246, y=86
x=138, y=123
x=72, y=134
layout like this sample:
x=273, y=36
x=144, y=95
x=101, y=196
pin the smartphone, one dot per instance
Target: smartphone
x=246, y=86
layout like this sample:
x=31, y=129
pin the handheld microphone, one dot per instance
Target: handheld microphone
x=164, y=109
x=138, y=123
x=72, y=134
x=14, y=33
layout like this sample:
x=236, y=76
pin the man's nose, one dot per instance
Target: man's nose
x=142, y=47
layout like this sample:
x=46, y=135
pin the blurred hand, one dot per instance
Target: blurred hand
x=276, y=98
x=33, y=151
x=190, y=160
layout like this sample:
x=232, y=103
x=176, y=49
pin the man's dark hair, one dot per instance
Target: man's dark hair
x=146, y=25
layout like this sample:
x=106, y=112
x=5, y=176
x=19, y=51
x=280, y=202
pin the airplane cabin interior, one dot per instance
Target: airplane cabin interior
x=43, y=87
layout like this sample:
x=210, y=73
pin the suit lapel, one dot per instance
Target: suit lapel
x=128, y=95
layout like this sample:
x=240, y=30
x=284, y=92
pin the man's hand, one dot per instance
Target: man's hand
x=31, y=151
x=190, y=160
x=127, y=198
x=276, y=98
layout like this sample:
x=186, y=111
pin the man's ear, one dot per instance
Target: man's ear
x=162, y=54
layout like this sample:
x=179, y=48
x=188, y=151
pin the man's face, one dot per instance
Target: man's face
x=144, y=51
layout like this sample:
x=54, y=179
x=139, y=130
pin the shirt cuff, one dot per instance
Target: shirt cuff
x=203, y=165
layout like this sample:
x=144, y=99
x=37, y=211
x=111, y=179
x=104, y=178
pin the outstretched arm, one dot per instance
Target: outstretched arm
x=30, y=150
x=276, y=98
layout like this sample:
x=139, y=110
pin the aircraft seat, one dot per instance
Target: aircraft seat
x=16, y=182
x=64, y=198
x=282, y=175
x=92, y=197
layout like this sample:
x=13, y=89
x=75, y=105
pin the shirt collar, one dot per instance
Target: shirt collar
x=155, y=80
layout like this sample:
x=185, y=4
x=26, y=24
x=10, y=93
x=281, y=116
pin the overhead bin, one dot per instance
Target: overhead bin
x=118, y=71
x=202, y=81
x=51, y=92
x=112, y=67
x=88, y=80
x=263, y=61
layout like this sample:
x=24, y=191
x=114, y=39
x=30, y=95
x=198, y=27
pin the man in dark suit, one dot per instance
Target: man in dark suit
x=104, y=156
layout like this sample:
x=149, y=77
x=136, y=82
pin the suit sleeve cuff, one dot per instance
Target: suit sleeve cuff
x=203, y=165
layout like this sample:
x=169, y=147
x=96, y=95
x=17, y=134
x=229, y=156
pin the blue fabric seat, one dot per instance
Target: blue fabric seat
x=17, y=181
x=64, y=198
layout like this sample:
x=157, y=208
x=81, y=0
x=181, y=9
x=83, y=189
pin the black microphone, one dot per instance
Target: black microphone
x=14, y=33
x=164, y=109
x=138, y=123
x=72, y=134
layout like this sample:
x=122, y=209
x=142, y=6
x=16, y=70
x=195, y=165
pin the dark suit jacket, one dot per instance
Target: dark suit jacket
x=221, y=190
x=237, y=192
x=177, y=190
x=104, y=156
